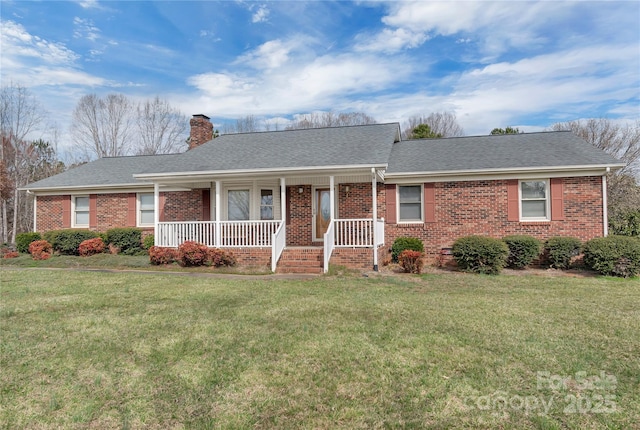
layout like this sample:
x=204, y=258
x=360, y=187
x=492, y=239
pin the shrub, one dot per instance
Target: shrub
x=192, y=254
x=522, y=250
x=480, y=254
x=40, y=250
x=411, y=261
x=559, y=251
x=68, y=241
x=23, y=240
x=91, y=247
x=8, y=249
x=10, y=254
x=404, y=243
x=148, y=241
x=220, y=258
x=128, y=239
x=627, y=224
x=613, y=255
x=159, y=255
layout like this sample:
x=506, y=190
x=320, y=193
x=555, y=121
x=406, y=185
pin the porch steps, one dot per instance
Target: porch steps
x=301, y=260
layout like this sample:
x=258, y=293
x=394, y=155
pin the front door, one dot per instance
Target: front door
x=323, y=212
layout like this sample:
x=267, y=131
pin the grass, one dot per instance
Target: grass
x=137, y=350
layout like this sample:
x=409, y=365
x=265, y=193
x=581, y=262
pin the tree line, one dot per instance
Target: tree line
x=114, y=125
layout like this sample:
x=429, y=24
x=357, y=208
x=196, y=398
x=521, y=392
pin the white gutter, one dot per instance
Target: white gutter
x=256, y=172
x=391, y=175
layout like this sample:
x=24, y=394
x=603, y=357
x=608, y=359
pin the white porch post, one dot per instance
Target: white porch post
x=332, y=197
x=374, y=224
x=605, y=213
x=283, y=202
x=35, y=212
x=156, y=212
x=218, y=226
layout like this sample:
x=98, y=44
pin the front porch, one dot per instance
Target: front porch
x=362, y=233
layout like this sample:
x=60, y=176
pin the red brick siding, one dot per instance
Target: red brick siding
x=49, y=213
x=480, y=208
x=257, y=257
x=355, y=258
x=299, y=227
x=112, y=210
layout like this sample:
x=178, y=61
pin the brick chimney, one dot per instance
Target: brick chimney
x=201, y=130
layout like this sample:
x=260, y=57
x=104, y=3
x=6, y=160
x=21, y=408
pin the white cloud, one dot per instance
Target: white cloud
x=17, y=42
x=260, y=15
x=89, y=4
x=390, y=41
x=85, y=29
x=269, y=55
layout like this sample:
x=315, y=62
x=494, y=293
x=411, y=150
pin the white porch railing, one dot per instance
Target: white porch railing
x=279, y=242
x=329, y=244
x=358, y=233
x=233, y=234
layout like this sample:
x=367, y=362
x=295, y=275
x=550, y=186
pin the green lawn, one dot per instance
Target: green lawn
x=137, y=350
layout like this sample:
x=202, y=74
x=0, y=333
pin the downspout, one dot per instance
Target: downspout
x=374, y=198
x=156, y=212
x=35, y=210
x=605, y=212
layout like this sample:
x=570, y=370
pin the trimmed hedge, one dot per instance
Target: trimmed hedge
x=148, y=241
x=23, y=240
x=613, y=255
x=68, y=241
x=405, y=243
x=559, y=251
x=480, y=254
x=522, y=250
x=127, y=239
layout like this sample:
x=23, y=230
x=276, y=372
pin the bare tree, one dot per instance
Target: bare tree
x=330, y=119
x=103, y=127
x=444, y=124
x=162, y=128
x=621, y=141
x=246, y=124
x=20, y=115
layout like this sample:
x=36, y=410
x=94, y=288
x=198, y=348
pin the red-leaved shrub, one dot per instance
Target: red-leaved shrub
x=192, y=254
x=91, y=247
x=159, y=255
x=40, y=250
x=11, y=254
x=219, y=258
x=411, y=261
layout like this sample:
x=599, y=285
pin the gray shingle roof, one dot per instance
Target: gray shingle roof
x=364, y=145
x=369, y=145
x=104, y=172
x=529, y=150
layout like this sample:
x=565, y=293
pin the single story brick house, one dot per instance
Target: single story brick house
x=297, y=200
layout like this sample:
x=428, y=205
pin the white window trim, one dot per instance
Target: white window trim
x=247, y=188
x=259, y=202
x=139, y=211
x=416, y=221
x=547, y=192
x=73, y=212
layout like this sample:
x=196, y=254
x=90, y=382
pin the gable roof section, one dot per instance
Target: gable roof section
x=527, y=151
x=331, y=147
x=107, y=172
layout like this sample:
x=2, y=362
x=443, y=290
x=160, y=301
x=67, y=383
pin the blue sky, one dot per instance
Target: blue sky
x=494, y=64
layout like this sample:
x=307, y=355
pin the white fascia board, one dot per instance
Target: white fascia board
x=97, y=189
x=494, y=174
x=266, y=172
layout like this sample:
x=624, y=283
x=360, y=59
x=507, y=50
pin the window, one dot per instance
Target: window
x=238, y=207
x=534, y=200
x=146, y=208
x=81, y=211
x=266, y=204
x=410, y=203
